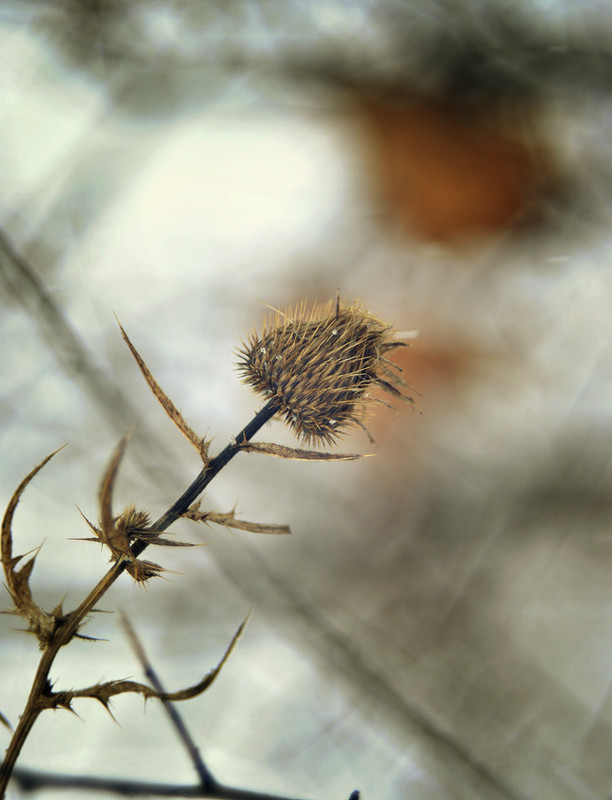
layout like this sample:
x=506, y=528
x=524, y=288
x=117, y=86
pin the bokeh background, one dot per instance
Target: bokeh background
x=439, y=624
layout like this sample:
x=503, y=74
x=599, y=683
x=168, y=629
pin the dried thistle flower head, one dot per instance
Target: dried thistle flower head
x=320, y=366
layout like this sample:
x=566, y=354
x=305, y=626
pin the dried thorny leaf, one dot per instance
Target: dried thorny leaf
x=129, y=527
x=103, y=692
x=133, y=521
x=42, y=624
x=208, y=679
x=50, y=699
x=320, y=366
x=201, y=445
x=142, y=571
x=135, y=524
x=113, y=535
x=98, y=536
x=114, y=531
x=296, y=453
x=153, y=537
x=229, y=520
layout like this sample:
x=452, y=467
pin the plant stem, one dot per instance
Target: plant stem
x=213, y=467
x=70, y=623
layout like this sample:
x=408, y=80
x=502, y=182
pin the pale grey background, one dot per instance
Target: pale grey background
x=439, y=624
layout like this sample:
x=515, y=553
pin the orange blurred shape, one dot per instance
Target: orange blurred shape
x=448, y=172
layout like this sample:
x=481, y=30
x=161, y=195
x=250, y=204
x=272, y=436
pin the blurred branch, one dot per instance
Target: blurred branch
x=33, y=780
x=207, y=780
x=22, y=282
x=462, y=49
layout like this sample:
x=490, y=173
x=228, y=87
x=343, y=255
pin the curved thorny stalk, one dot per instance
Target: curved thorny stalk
x=316, y=370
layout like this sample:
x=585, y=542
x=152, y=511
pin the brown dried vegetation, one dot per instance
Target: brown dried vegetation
x=316, y=370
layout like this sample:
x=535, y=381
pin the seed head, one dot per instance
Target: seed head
x=320, y=366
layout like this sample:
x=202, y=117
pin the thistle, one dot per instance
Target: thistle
x=319, y=367
x=316, y=369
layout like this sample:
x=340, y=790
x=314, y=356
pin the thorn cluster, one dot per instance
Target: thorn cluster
x=320, y=366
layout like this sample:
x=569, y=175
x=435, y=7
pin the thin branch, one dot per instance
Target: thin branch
x=32, y=780
x=212, y=468
x=207, y=781
x=21, y=280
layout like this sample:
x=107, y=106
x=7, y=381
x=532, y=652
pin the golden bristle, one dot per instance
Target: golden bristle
x=319, y=366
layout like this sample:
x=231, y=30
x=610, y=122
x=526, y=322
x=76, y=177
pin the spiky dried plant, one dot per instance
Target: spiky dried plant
x=317, y=370
x=319, y=367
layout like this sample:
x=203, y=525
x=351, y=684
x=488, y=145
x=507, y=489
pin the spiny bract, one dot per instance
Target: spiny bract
x=320, y=365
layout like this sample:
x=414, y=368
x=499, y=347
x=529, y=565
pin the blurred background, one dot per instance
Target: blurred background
x=439, y=624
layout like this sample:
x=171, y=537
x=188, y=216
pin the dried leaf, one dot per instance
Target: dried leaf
x=171, y=410
x=20, y=588
x=113, y=536
x=18, y=581
x=103, y=692
x=142, y=571
x=229, y=521
x=91, y=526
x=85, y=539
x=207, y=680
x=6, y=539
x=133, y=521
x=280, y=451
x=153, y=537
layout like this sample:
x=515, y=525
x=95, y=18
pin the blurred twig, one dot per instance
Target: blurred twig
x=26, y=287
x=207, y=781
x=32, y=780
